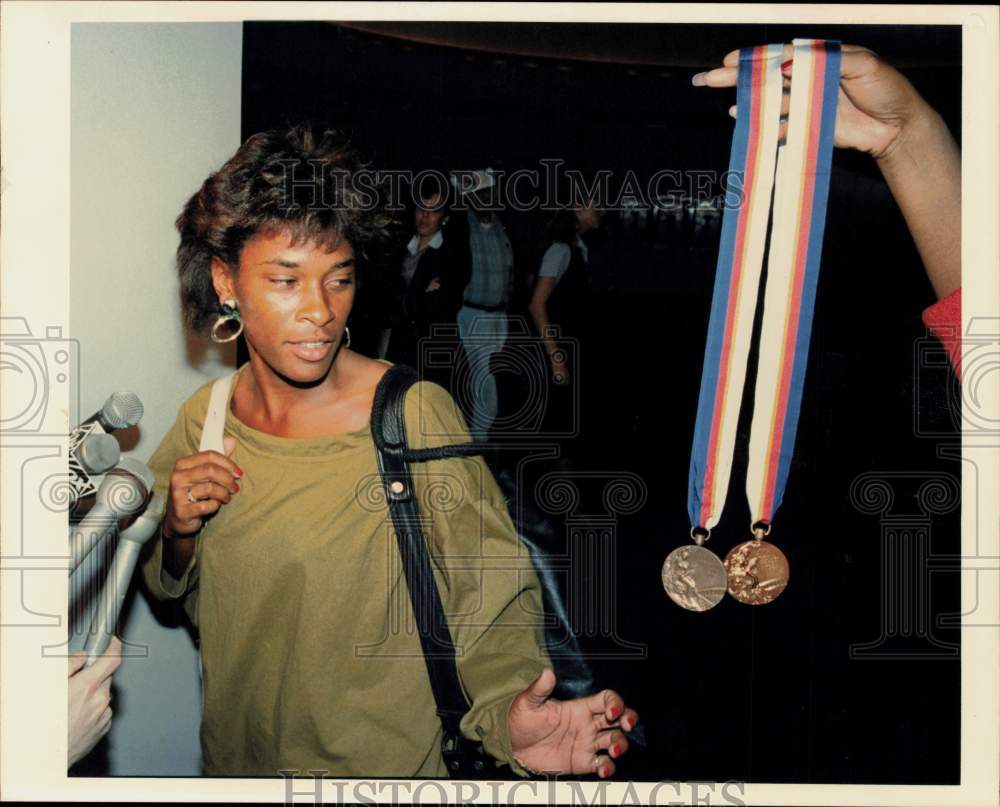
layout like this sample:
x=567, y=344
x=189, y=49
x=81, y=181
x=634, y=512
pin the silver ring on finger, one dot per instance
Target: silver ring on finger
x=190, y=497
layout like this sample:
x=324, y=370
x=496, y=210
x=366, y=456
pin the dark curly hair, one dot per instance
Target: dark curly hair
x=279, y=179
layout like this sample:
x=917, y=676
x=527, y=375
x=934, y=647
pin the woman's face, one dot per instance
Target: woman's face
x=294, y=301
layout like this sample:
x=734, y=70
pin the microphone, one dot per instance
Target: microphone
x=115, y=588
x=98, y=453
x=123, y=493
x=121, y=410
x=89, y=459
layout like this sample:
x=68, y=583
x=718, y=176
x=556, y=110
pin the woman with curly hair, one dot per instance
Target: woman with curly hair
x=281, y=548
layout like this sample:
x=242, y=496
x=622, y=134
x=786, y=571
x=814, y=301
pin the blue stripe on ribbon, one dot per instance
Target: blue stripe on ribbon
x=723, y=282
x=824, y=157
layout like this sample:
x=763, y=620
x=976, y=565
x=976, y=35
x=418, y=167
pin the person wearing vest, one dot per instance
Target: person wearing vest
x=426, y=294
x=560, y=307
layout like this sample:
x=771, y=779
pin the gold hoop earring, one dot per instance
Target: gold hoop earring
x=346, y=342
x=228, y=313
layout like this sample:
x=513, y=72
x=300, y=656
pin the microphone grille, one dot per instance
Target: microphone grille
x=122, y=409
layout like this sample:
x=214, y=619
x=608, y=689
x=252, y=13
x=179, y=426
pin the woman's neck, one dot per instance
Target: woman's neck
x=276, y=399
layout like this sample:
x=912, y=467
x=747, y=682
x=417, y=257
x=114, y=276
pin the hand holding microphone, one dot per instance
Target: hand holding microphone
x=89, y=699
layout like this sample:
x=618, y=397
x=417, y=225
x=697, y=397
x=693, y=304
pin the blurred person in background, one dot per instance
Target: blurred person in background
x=427, y=291
x=482, y=319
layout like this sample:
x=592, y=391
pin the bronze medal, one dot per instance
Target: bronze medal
x=757, y=571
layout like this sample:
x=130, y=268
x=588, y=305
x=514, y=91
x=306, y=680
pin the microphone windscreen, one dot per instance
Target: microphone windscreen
x=99, y=453
x=122, y=409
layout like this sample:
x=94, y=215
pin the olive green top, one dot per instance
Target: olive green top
x=310, y=658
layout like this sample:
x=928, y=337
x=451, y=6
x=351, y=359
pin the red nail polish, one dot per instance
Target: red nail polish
x=236, y=487
x=239, y=471
x=786, y=67
x=614, y=712
x=615, y=751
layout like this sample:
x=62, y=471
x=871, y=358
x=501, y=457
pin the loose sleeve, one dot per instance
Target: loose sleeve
x=488, y=585
x=181, y=440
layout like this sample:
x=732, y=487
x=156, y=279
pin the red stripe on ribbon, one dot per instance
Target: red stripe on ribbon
x=801, y=253
x=753, y=146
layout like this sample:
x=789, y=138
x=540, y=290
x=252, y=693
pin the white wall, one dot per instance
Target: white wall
x=154, y=109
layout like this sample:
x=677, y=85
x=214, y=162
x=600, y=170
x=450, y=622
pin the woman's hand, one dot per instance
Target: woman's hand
x=434, y=285
x=89, y=699
x=581, y=736
x=880, y=112
x=876, y=103
x=199, y=485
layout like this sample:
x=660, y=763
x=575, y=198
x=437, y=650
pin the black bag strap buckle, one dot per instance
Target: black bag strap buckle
x=464, y=759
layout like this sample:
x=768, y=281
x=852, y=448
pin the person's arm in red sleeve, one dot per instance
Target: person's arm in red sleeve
x=944, y=319
x=923, y=168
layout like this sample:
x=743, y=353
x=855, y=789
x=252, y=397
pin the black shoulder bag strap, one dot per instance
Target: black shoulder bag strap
x=463, y=758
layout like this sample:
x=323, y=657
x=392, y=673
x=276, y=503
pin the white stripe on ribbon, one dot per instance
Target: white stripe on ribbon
x=759, y=202
x=790, y=184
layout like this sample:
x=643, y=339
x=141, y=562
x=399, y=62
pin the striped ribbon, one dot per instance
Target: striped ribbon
x=799, y=175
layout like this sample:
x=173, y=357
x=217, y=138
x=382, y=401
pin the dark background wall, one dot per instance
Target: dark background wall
x=759, y=694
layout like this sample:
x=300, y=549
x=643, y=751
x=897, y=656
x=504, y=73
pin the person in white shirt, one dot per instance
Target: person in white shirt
x=561, y=291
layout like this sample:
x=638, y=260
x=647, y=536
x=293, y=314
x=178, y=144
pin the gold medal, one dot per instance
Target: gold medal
x=694, y=577
x=757, y=571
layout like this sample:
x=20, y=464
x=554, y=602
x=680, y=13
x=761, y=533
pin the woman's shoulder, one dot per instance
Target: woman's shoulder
x=432, y=417
x=193, y=412
x=431, y=414
x=185, y=436
x=558, y=248
x=555, y=260
x=365, y=372
x=196, y=403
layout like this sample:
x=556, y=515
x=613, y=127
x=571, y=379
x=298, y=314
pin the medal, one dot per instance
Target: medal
x=757, y=571
x=694, y=577
x=799, y=173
